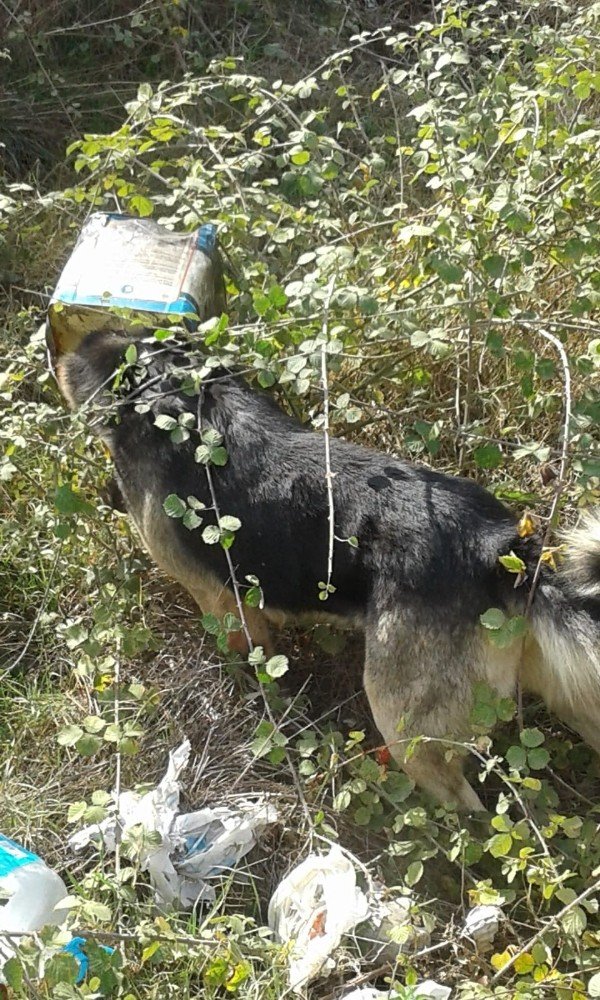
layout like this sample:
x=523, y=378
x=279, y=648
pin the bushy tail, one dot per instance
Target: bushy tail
x=582, y=560
x=565, y=621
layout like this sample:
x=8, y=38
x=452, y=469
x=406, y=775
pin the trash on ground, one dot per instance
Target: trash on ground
x=481, y=925
x=312, y=908
x=391, y=928
x=77, y=948
x=191, y=848
x=435, y=991
x=366, y=993
x=428, y=988
x=29, y=893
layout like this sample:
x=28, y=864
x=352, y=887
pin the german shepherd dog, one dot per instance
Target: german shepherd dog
x=425, y=568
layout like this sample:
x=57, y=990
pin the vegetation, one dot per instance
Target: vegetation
x=412, y=197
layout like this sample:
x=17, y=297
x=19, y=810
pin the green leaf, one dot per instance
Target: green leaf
x=488, y=456
x=211, y=624
x=494, y=618
x=446, y=270
x=131, y=354
x=142, y=206
x=253, y=597
x=531, y=737
x=516, y=757
x=61, y=968
x=512, y=563
x=300, y=158
x=574, y=922
x=165, y=422
x=362, y=816
x=277, y=666
x=179, y=435
x=94, y=723
x=218, y=455
x=229, y=523
x=76, y=811
x=88, y=745
x=211, y=534
x=191, y=520
x=97, y=911
x=538, y=758
x=414, y=873
x=69, y=736
x=174, y=506
x=256, y=657
x=13, y=974
x=266, y=379
x=494, y=265
x=67, y=501
x=500, y=845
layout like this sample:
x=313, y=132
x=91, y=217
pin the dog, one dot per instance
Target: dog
x=415, y=552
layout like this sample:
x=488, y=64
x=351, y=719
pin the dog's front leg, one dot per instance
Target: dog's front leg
x=219, y=601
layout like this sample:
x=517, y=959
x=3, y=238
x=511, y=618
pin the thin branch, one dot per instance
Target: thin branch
x=240, y=607
x=564, y=458
x=328, y=472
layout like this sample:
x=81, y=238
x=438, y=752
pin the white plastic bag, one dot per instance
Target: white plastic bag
x=428, y=988
x=481, y=925
x=193, y=847
x=312, y=908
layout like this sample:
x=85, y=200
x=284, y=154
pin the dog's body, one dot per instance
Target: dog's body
x=425, y=568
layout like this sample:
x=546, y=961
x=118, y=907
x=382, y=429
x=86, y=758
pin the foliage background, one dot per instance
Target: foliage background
x=413, y=191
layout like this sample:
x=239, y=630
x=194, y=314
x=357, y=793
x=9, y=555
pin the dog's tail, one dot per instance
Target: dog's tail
x=582, y=561
x=565, y=620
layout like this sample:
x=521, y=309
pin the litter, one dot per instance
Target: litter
x=435, y=991
x=391, y=928
x=481, y=925
x=367, y=993
x=312, y=908
x=193, y=848
x=29, y=893
x=428, y=988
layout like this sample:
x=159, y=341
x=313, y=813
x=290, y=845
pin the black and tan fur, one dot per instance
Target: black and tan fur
x=425, y=569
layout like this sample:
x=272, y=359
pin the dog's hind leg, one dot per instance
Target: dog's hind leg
x=419, y=681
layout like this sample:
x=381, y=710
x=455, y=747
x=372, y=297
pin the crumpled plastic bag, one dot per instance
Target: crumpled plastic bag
x=428, y=988
x=434, y=991
x=391, y=928
x=193, y=847
x=312, y=908
x=366, y=993
x=481, y=925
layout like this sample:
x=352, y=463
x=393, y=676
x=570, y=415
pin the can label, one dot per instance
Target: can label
x=13, y=856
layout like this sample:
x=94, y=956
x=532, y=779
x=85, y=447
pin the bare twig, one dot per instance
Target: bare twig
x=564, y=459
x=240, y=607
x=328, y=472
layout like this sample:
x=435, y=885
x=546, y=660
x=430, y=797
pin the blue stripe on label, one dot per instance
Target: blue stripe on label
x=13, y=856
x=181, y=307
